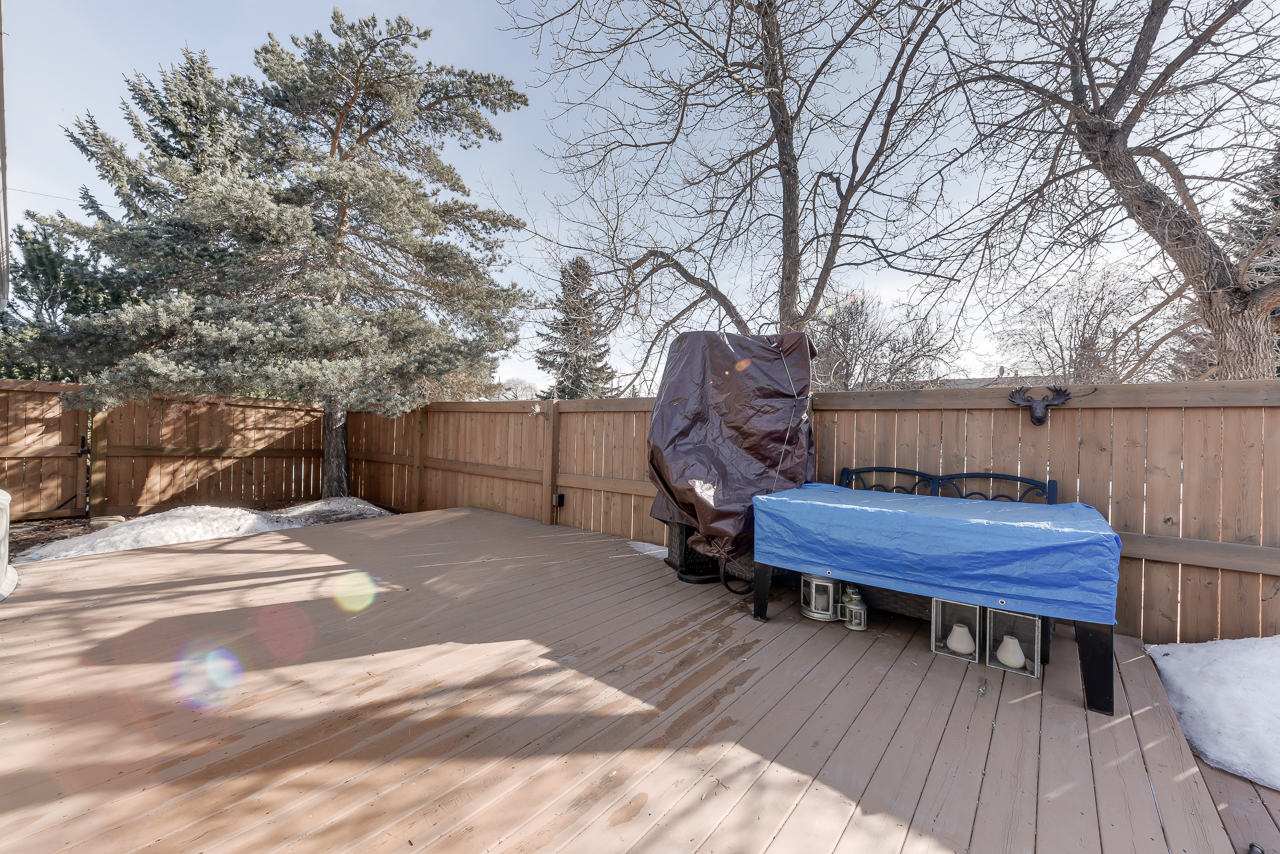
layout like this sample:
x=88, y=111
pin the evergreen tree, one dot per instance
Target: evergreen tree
x=574, y=345
x=54, y=280
x=1254, y=239
x=307, y=239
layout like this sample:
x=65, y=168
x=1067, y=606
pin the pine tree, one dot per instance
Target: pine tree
x=54, y=281
x=574, y=347
x=1254, y=239
x=309, y=242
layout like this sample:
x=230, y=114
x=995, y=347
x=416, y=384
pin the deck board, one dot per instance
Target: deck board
x=882, y=816
x=1176, y=782
x=1067, y=814
x=1005, y=820
x=750, y=826
x=943, y=820
x=1243, y=812
x=1128, y=822
x=520, y=688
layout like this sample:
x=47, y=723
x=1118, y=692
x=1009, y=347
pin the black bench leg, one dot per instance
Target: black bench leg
x=1097, y=662
x=763, y=578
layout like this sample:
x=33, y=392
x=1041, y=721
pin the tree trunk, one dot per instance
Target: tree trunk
x=1242, y=337
x=1240, y=327
x=335, y=480
x=789, y=318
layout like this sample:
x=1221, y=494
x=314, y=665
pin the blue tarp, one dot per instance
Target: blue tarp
x=1058, y=560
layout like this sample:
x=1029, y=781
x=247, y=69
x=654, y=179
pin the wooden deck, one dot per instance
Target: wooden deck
x=515, y=687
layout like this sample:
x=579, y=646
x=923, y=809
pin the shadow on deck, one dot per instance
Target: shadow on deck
x=515, y=687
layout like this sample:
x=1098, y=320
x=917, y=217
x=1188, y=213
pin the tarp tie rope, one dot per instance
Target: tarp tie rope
x=786, y=441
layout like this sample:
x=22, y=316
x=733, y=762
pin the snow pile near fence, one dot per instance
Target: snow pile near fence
x=190, y=524
x=660, y=552
x=1227, y=697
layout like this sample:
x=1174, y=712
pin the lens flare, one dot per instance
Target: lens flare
x=354, y=591
x=223, y=668
x=743, y=365
x=205, y=672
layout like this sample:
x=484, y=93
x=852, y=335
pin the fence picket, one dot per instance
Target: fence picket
x=1239, y=593
x=977, y=448
x=1201, y=520
x=1153, y=588
x=1270, y=588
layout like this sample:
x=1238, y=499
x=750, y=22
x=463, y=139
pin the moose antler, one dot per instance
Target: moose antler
x=1060, y=396
x=1039, y=406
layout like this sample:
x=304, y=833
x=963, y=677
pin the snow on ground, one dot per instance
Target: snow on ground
x=660, y=552
x=1227, y=697
x=189, y=524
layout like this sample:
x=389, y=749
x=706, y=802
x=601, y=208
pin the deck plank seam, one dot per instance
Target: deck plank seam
x=835, y=686
x=692, y=701
x=479, y=805
x=855, y=801
x=833, y=651
x=341, y=732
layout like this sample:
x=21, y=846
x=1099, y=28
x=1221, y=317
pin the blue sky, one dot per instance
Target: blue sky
x=65, y=58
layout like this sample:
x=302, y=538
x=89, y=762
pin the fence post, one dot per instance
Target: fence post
x=419, y=498
x=98, y=466
x=550, y=460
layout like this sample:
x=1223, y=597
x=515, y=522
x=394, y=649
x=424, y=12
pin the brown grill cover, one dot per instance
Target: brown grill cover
x=729, y=424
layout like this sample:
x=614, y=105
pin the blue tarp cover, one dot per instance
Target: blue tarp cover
x=1058, y=560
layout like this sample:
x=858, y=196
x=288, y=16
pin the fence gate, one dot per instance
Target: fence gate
x=44, y=451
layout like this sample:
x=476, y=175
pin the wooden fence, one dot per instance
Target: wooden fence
x=43, y=453
x=166, y=453
x=494, y=456
x=142, y=458
x=1188, y=474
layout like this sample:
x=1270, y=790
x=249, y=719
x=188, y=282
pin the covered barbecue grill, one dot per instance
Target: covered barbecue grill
x=729, y=423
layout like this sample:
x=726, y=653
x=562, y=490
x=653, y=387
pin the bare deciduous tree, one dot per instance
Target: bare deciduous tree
x=516, y=389
x=733, y=158
x=863, y=346
x=1115, y=326
x=1103, y=120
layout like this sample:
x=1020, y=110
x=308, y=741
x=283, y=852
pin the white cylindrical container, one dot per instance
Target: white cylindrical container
x=8, y=575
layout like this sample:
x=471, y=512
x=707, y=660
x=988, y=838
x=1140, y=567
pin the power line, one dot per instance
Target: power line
x=46, y=195
x=52, y=196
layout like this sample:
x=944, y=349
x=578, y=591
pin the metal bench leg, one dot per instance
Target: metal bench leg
x=1097, y=662
x=763, y=578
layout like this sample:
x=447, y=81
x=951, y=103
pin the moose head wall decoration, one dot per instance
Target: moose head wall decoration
x=1040, y=406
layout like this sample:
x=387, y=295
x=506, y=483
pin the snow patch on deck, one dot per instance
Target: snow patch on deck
x=1226, y=695
x=660, y=552
x=192, y=524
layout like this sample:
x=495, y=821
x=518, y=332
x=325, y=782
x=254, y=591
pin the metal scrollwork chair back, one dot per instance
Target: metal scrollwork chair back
x=937, y=483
